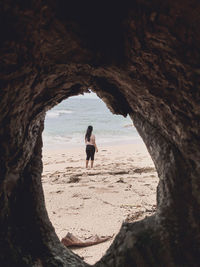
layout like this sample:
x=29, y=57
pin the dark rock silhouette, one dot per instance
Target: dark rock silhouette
x=142, y=59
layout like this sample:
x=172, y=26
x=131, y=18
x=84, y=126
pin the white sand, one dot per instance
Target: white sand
x=121, y=185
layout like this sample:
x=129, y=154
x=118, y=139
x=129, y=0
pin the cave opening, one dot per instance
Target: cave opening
x=142, y=59
x=120, y=188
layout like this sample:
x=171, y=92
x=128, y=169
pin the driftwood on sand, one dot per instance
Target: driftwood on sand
x=72, y=241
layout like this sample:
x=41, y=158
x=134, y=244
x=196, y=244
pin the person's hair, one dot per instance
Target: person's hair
x=88, y=133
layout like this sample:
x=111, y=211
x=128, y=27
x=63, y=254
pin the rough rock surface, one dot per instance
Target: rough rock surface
x=142, y=59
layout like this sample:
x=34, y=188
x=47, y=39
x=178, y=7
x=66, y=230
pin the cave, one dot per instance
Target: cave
x=87, y=203
x=142, y=59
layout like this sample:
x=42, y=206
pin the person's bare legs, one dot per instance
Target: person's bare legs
x=92, y=162
x=86, y=165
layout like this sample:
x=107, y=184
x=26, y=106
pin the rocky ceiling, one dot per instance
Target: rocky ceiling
x=142, y=58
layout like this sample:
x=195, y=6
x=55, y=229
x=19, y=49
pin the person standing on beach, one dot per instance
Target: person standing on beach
x=91, y=146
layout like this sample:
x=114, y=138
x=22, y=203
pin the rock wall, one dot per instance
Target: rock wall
x=142, y=58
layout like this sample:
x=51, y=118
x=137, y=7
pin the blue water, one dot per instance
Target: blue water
x=66, y=123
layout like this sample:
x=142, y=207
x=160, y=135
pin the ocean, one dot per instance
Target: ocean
x=66, y=124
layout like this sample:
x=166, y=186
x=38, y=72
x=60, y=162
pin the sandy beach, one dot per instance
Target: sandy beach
x=85, y=202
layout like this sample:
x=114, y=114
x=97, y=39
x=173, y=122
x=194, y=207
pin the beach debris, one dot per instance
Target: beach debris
x=74, y=179
x=129, y=206
x=86, y=198
x=93, y=173
x=106, y=202
x=121, y=180
x=59, y=191
x=72, y=241
x=54, y=180
x=145, y=169
x=118, y=172
x=76, y=195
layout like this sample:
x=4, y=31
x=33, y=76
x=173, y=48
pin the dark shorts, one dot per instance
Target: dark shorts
x=90, y=150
